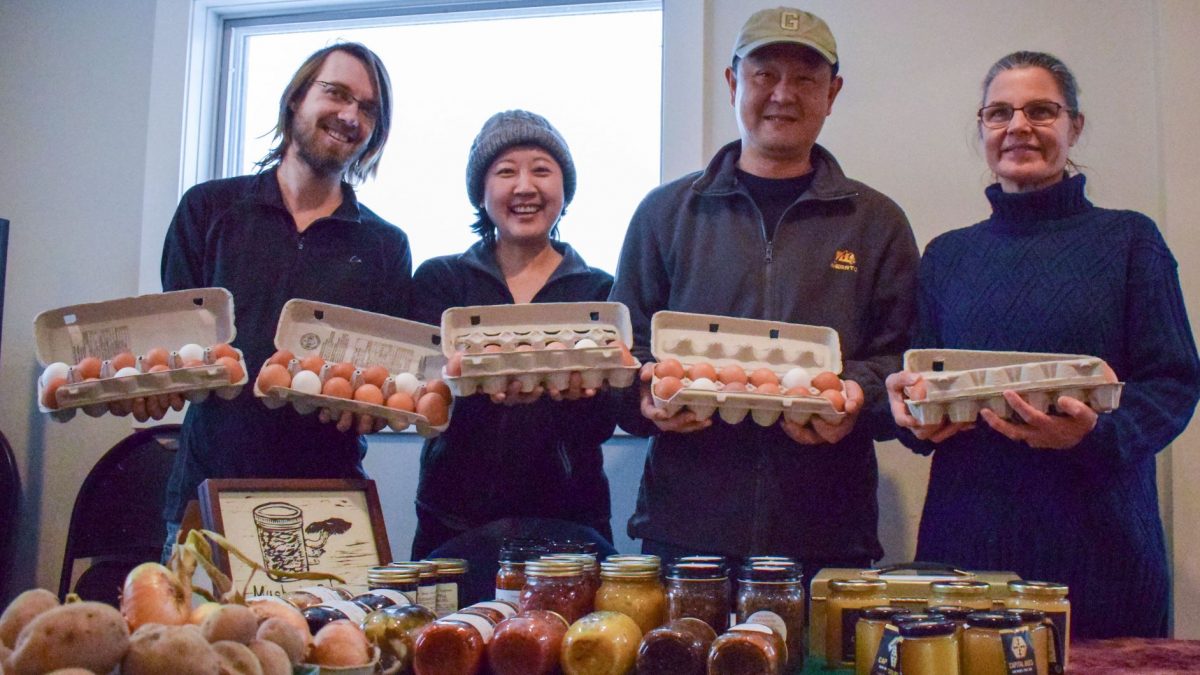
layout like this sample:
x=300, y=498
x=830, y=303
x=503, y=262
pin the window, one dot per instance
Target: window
x=593, y=70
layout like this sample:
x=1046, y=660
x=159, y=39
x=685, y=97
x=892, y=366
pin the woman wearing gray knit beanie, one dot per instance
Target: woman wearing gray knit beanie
x=514, y=455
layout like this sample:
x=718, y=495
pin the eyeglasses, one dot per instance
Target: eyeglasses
x=1037, y=113
x=343, y=96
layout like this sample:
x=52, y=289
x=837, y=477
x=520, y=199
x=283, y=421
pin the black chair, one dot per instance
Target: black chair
x=10, y=508
x=117, y=521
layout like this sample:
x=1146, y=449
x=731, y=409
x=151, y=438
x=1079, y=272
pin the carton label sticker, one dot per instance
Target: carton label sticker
x=887, y=655
x=346, y=347
x=99, y=342
x=1018, y=651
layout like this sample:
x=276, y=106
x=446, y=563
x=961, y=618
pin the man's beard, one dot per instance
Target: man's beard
x=322, y=161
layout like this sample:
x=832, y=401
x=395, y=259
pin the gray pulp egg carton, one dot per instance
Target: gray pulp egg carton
x=342, y=334
x=751, y=344
x=961, y=382
x=534, y=327
x=203, y=316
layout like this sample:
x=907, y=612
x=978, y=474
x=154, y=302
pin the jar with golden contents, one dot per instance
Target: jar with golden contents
x=758, y=645
x=928, y=648
x=631, y=586
x=700, y=591
x=847, y=600
x=450, y=575
x=556, y=585
x=1040, y=629
x=995, y=643
x=867, y=633
x=1048, y=597
x=961, y=592
x=777, y=588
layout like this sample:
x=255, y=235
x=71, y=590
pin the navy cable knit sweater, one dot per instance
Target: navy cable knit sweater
x=1050, y=272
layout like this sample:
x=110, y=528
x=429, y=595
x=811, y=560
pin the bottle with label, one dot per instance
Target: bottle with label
x=961, y=592
x=757, y=645
x=318, y=616
x=679, y=647
x=867, y=633
x=928, y=648
x=556, y=585
x=1048, y=597
x=450, y=575
x=778, y=588
x=601, y=643
x=699, y=590
x=510, y=577
x=394, y=630
x=496, y=610
x=527, y=644
x=995, y=643
x=630, y=585
x=310, y=596
x=455, y=644
x=847, y=599
x=426, y=581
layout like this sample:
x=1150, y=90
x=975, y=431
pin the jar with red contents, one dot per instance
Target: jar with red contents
x=527, y=644
x=679, y=647
x=589, y=565
x=701, y=591
x=556, y=585
x=510, y=577
x=756, y=646
x=455, y=644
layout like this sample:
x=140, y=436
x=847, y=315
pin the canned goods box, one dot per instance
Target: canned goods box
x=536, y=344
x=117, y=350
x=961, y=382
x=792, y=356
x=340, y=338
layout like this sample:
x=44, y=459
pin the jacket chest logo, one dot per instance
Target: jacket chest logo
x=845, y=261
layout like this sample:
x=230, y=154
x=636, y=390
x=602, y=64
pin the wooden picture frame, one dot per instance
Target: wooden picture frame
x=321, y=525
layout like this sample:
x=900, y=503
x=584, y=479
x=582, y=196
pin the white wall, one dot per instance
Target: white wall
x=94, y=96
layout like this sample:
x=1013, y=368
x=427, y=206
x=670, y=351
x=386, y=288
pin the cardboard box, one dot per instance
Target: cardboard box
x=960, y=382
x=538, y=344
x=340, y=334
x=202, y=316
x=751, y=344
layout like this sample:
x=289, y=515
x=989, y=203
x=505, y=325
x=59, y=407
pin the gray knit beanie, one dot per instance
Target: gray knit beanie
x=511, y=128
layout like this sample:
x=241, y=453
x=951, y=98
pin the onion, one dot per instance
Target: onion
x=153, y=594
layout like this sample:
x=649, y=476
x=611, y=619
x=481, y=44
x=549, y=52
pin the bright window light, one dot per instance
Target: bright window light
x=596, y=76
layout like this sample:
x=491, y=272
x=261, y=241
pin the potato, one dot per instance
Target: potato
x=271, y=657
x=181, y=650
x=286, y=636
x=89, y=635
x=236, y=658
x=22, y=610
x=230, y=622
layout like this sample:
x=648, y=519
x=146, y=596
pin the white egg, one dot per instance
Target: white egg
x=307, y=382
x=407, y=383
x=704, y=384
x=586, y=342
x=127, y=371
x=191, y=352
x=56, y=369
x=796, y=377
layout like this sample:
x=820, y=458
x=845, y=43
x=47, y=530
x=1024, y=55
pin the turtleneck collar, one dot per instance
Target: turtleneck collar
x=1064, y=199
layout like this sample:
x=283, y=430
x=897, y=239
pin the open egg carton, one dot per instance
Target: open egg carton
x=188, y=323
x=751, y=344
x=538, y=344
x=961, y=382
x=408, y=350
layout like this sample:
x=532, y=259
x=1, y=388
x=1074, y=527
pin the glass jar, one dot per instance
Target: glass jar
x=426, y=581
x=318, y=616
x=1050, y=598
x=755, y=646
x=394, y=630
x=847, y=599
x=601, y=643
x=496, y=610
x=928, y=648
x=954, y=613
x=450, y=575
x=995, y=643
x=510, y=577
x=701, y=591
x=632, y=587
x=556, y=585
x=453, y=645
x=1035, y=620
x=867, y=633
x=679, y=647
x=589, y=565
x=389, y=586
x=310, y=596
x=962, y=593
x=777, y=588
x=527, y=644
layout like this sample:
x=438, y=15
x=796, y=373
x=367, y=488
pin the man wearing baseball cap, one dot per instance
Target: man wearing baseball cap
x=771, y=229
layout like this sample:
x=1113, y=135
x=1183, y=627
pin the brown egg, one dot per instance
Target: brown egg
x=88, y=368
x=555, y=345
x=441, y=389
x=48, y=394
x=343, y=370
x=158, y=368
x=669, y=368
x=236, y=372
x=732, y=373
x=798, y=391
x=454, y=364
x=273, y=375
x=337, y=386
x=835, y=397
x=312, y=363
x=702, y=370
x=434, y=408
x=123, y=360
x=626, y=355
x=826, y=381
x=282, y=357
x=666, y=387
x=192, y=363
x=222, y=349
x=763, y=376
x=375, y=375
x=525, y=347
x=767, y=388
x=916, y=392
x=402, y=400
x=492, y=348
x=734, y=386
x=156, y=356
x=369, y=393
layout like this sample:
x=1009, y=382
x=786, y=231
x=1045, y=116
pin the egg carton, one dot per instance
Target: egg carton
x=342, y=334
x=137, y=324
x=522, y=337
x=751, y=344
x=961, y=382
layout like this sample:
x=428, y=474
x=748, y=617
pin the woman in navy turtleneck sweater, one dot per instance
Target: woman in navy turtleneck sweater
x=1068, y=497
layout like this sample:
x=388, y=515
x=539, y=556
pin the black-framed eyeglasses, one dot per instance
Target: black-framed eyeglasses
x=1038, y=113
x=341, y=94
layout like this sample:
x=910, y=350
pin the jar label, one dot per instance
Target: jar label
x=325, y=593
x=506, y=609
x=887, y=656
x=427, y=596
x=1018, y=651
x=481, y=624
x=447, y=598
x=398, y=598
x=752, y=628
x=771, y=620
x=353, y=611
x=850, y=619
x=508, y=596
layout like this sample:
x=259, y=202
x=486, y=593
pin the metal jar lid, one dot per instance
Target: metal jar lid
x=1041, y=589
x=858, y=586
x=960, y=588
x=449, y=565
x=388, y=575
x=543, y=567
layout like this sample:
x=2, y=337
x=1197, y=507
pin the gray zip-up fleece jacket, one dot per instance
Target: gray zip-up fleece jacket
x=842, y=256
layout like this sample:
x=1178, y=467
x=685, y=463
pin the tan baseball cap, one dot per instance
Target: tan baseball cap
x=786, y=24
